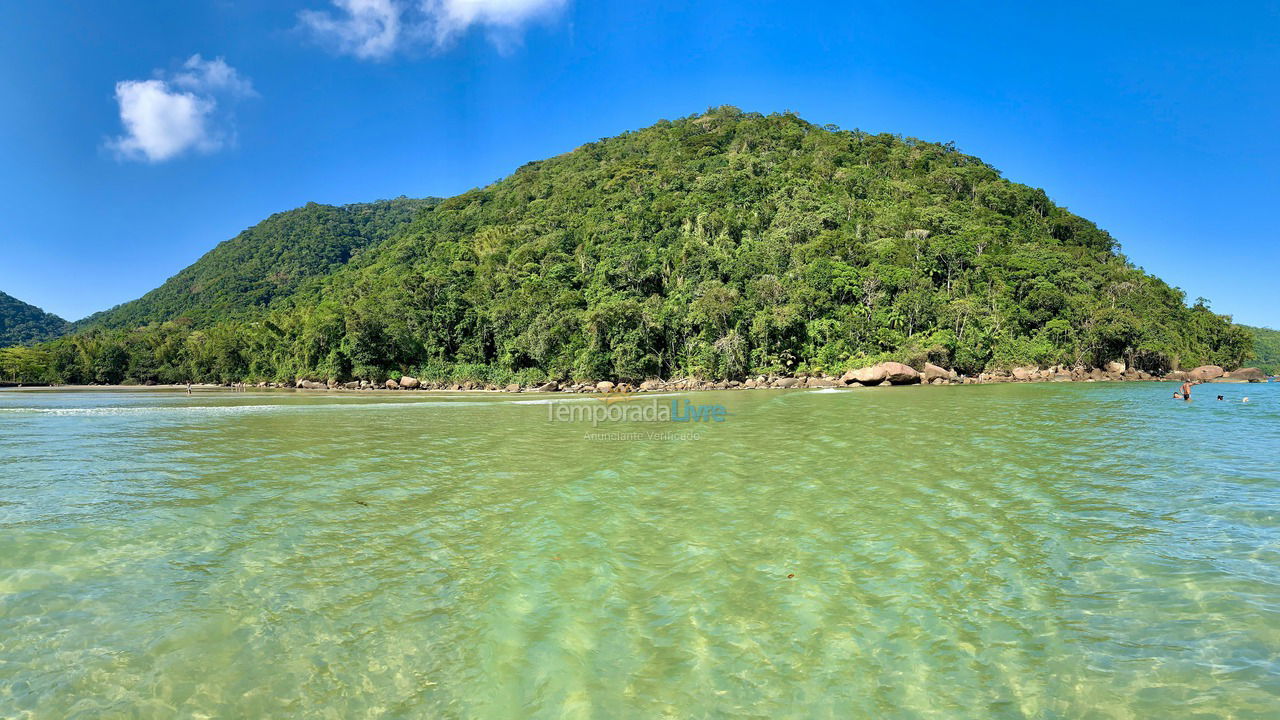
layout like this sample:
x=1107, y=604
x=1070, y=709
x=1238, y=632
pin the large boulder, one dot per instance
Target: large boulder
x=393, y=385
x=548, y=387
x=933, y=372
x=789, y=382
x=873, y=375
x=1252, y=374
x=1177, y=375
x=1019, y=373
x=1206, y=372
x=900, y=374
x=513, y=387
x=409, y=383
x=1115, y=366
x=648, y=385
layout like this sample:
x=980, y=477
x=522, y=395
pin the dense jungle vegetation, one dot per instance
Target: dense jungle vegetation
x=719, y=245
x=21, y=323
x=1266, y=348
x=265, y=266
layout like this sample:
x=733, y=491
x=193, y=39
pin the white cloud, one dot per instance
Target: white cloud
x=212, y=76
x=165, y=117
x=368, y=29
x=377, y=29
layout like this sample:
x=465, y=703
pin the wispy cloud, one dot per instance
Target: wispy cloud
x=173, y=113
x=377, y=29
x=368, y=29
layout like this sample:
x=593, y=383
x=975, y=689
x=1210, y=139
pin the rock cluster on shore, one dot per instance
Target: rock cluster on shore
x=882, y=374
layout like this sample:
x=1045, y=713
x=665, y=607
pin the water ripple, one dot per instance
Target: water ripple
x=1057, y=550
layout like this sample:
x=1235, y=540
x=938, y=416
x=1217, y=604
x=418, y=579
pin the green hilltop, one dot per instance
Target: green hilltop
x=266, y=265
x=720, y=245
x=22, y=323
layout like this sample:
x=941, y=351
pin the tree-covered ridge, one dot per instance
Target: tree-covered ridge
x=22, y=323
x=731, y=243
x=1266, y=348
x=720, y=245
x=264, y=265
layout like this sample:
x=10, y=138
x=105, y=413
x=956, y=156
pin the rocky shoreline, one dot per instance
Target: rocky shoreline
x=882, y=374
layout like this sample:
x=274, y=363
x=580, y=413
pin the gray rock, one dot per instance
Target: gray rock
x=873, y=375
x=933, y=372
x=1206, y=372
x=1251, y=374
x=900, y=374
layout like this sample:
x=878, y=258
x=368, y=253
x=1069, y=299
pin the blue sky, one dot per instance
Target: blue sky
x=1161, y=122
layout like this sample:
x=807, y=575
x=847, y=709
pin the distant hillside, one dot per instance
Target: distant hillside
x=720, y=245
x=1266, y=345
x=21, y=323
x=264, y=265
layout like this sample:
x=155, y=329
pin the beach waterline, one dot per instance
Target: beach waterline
x=1052, y=550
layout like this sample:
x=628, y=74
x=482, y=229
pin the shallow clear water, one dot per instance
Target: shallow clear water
x=1046, y=551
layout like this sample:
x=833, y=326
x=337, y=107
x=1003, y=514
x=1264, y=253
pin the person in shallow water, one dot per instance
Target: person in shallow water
x=1186, y=391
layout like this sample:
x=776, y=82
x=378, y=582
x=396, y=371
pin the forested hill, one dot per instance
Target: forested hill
x=21, y=323
x=1266, y=346
x=719, y=245
x=265, y=265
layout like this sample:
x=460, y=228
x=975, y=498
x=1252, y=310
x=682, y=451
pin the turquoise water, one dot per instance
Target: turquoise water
x=1005, y=551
